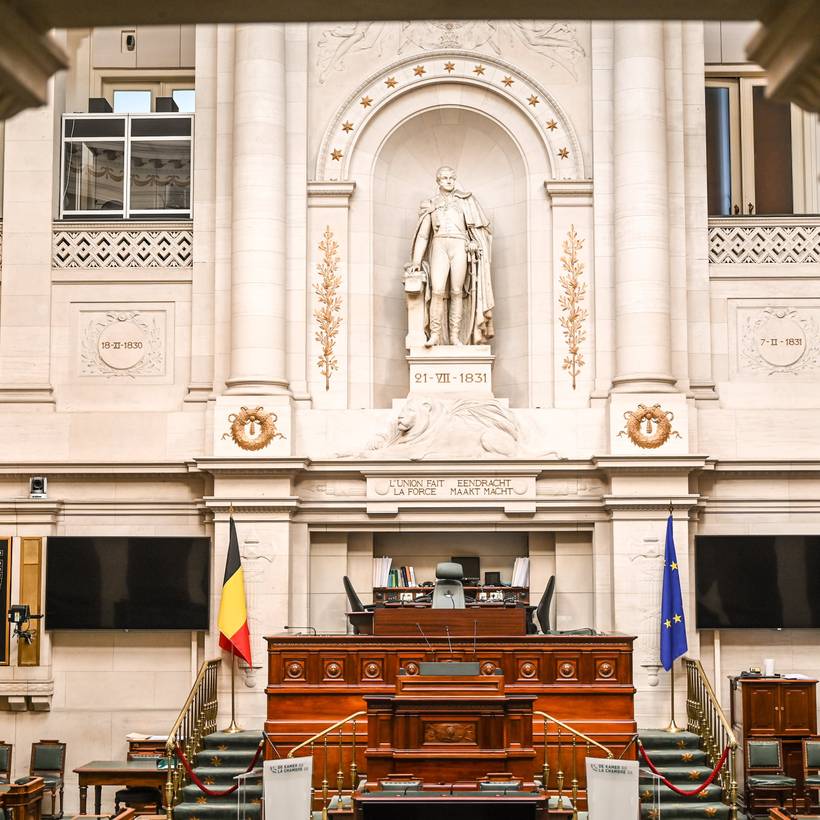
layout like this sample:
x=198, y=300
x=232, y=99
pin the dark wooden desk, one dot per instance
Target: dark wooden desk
x=484, y=620
x=456, y=806
x=99, y=773
x=22, y=801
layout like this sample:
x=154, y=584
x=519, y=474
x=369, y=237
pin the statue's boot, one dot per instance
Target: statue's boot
x=436, y=316
x=456, y=312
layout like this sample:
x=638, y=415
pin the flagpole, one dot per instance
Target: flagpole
x=233, y=728
x=673, y=727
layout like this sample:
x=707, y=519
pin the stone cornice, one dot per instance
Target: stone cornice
x=652, y=465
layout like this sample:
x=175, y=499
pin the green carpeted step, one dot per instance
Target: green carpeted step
x=675, y=757
x=197, y=811
x=681, y=775
x=220, y=776
x=192, y=794
x=686, y=811
x=225, y=757
x=658, y=739
x=711, y=794
x=246, y=740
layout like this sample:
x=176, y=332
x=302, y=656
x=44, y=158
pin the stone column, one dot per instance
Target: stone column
x=642, y=319
x=258, y=250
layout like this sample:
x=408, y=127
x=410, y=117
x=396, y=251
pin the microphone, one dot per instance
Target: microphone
x=312, y=628
x=449, y=642
x=432, y=651
x=272, y=744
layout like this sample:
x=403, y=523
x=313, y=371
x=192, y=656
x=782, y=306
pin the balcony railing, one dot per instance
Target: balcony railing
x=126, y=166
x=764, y=240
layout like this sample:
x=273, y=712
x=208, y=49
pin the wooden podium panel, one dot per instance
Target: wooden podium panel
x=444, y=729
x=396, y=621
x=23, y=801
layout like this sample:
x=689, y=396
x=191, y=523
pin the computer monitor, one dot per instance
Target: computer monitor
x=492, y=579
x=471, y=564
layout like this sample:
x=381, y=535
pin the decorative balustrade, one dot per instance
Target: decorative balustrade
x=122, y=245
x=760, y=240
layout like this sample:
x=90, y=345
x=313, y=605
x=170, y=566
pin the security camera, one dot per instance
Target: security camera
x=38, y=486
x=20, y=615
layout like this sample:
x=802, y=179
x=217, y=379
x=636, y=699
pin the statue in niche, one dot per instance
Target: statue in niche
x=450, y=267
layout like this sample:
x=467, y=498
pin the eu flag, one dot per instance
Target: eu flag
x=673, y=625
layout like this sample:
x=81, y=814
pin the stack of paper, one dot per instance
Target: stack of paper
x=521, y=572
x=381, y=571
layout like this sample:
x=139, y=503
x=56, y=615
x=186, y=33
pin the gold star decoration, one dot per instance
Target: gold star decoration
x=223, y=747
x=508, y=81
x=667, y=623
x=478, y=70
x=552, y=125
x=391, y=82
x=704, y=795
x=208, y=781
x=694, y=775
x=336, y=154
x=711, y=811
x=419, y=70
x=201, y=800
x=216, y=761
x=673, y=565
x=347, y=126
x=365, y=102
x=681, y=744
x=533, y=100
x=687, y=757
x=449, y=67
x=563, y=153
x=646, y=794
x=677, y=618
x=653, y=814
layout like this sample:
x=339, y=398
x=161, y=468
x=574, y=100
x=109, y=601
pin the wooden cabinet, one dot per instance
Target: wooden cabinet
x=776, y=708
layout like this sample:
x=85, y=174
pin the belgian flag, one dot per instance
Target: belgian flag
x=234, y=635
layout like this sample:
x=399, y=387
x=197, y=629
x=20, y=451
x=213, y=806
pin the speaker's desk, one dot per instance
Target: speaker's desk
x=316, y=680
x=22, y=801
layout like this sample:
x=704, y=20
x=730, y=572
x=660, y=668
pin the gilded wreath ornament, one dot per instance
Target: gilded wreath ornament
x=649, y=427
x=249, y=418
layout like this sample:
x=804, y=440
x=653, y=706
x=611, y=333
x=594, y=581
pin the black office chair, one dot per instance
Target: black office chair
x=542, y=614
x=353, y=599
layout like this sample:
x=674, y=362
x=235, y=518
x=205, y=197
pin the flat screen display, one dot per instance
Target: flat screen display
x=757, y=581
x=127, y=583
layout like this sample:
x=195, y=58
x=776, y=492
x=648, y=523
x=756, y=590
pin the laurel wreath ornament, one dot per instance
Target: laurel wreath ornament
x=250, y=418
x=649, y=427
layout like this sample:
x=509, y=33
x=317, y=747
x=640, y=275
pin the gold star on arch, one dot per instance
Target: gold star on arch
x=366, y=102
x=391, y=82
x=347, y=126
x=552, y=125
x=533, y=100
x=563, y=153
x=419, y=71
x=449, y=67
x=478, y=70
x=336, y=154
x=508, y=81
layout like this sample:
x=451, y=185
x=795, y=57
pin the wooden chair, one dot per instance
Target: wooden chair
x=5, y=762
x=811, y=771
x=764, y=772
x=48, y=762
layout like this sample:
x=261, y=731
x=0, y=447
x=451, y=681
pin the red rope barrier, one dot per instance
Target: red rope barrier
x=202, y=787
x=672, y=786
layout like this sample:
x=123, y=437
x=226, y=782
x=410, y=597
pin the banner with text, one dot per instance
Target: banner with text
x=286, y=785
x=612, y=789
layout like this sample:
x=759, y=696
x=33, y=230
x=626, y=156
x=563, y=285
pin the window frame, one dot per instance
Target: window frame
x=160, y=84
x=125, y=213
x=741, y=81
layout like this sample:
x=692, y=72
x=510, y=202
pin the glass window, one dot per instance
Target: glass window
x=93, y=176
x=772, y=154
x=153, y=152
x=718, y=150
x=132, y=101
x=184, y=98
x=160, y=175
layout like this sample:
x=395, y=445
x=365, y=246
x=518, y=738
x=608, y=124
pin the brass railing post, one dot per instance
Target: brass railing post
x=546, y=767
x=325, y=783
x=353, y=768
x=560, y=774
x=574, y=776
x=340, y=775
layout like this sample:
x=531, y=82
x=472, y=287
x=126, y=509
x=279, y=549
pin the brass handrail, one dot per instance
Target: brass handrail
x=575, y=732
x=706, y=718
x=324, y=732
x=196, y=719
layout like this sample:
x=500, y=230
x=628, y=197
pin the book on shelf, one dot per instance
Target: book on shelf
x=381, y=571
x=386, y=575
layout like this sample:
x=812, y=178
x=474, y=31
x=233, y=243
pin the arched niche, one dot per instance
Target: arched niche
x=501, y=156
x=490, y=165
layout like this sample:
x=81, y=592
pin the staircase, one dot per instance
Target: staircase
x=222, y=757
x=679, y=758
